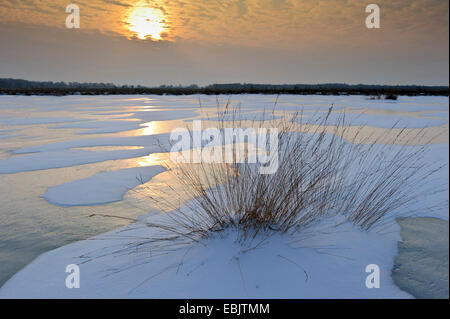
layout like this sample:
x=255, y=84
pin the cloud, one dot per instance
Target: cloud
x=117, y=3
x=242, y=8
x=414, y=34
x=262, y=23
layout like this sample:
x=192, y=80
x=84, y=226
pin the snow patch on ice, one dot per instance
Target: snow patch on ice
x=101, y=188
x=374, y=120
x=12, y=121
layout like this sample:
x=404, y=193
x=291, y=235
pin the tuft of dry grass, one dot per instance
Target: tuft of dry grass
x=320, y=175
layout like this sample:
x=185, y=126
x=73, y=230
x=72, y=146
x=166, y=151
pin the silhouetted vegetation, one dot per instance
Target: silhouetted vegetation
x=24, y=87
x=391, y=97
x=320, y=175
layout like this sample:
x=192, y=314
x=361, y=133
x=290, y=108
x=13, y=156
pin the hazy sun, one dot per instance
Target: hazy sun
x=146, y=22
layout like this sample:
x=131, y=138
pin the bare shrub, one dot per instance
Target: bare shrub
x=320, y=175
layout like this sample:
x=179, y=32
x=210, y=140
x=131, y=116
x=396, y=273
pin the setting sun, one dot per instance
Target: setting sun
x=146, y=22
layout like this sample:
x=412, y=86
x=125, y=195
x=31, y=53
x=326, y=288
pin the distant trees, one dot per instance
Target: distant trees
x=19, y=86
x=25, y=84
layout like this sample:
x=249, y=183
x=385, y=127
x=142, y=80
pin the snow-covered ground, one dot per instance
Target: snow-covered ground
x=59, y=156
x=101, y=188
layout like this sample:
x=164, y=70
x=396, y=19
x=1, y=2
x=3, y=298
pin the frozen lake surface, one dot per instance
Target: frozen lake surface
x=63, y=159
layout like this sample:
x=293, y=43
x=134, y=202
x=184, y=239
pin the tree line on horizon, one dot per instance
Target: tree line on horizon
x=25, y=87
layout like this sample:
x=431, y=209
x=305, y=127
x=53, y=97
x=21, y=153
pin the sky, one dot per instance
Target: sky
x=226, y=41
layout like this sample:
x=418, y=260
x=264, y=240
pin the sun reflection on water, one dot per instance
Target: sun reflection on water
x=151, y=128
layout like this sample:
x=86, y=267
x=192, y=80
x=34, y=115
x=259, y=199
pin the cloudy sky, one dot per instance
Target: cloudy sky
x=221, y=41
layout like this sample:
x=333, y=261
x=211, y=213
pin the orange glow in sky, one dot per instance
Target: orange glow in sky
x=146, y=22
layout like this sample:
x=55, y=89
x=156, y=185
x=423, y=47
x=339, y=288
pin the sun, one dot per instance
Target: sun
x=146, y=22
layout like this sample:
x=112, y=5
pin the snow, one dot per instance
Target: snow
x=257, y=116
x=57, y=159
x=376, y=120
x=318, y=102
x=143, y=140
x=64, y=154
x=327, y=260
x=101, y=188
x=126, y=123
x=102, y=126
x=36, y=120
